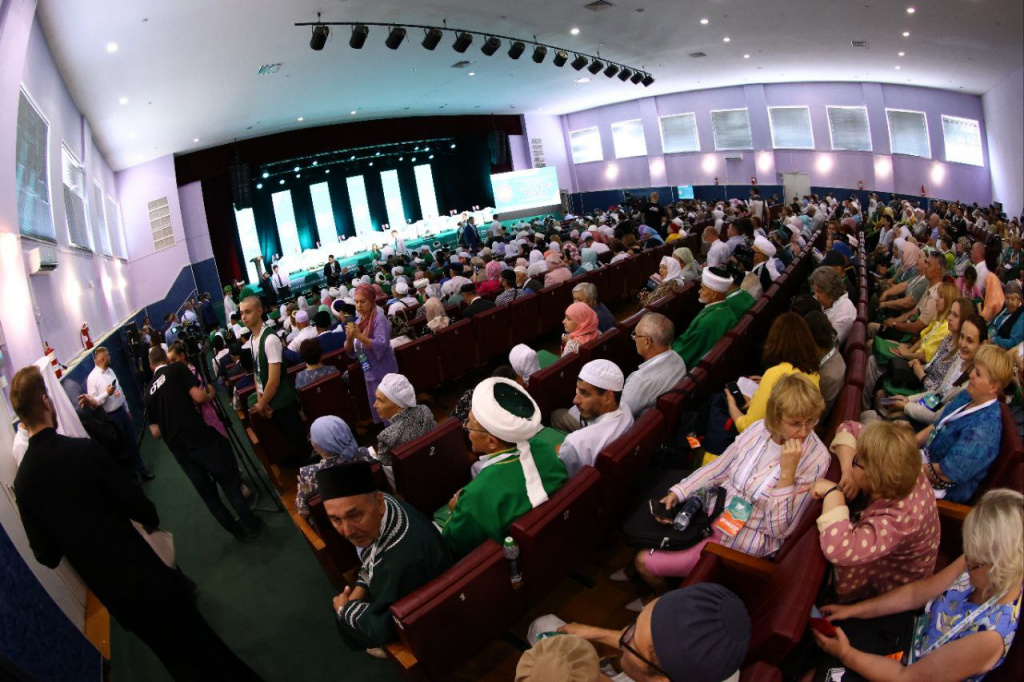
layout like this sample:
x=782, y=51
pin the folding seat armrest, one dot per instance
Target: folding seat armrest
x=952, y=511
x=740, y=563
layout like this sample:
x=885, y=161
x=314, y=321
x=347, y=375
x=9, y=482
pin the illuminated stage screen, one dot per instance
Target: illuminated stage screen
x=523, y=190
x=685, y=191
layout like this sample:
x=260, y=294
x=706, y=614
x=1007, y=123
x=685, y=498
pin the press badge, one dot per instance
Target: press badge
x=363, y=362
x=734, y=517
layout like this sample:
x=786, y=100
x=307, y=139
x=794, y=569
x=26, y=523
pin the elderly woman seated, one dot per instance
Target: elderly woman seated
x=524, y=362
x=892, y=541
x=331, y=439
x=769, y=469
x=396, y=403
x=971, y=609
x=668, y=282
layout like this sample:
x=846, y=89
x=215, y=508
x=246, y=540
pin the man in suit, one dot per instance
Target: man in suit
x=332, y=272
x=76, y=503
x=476, y=304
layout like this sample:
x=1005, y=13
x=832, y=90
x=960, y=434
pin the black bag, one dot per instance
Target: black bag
x=643, y=531
x=902, y=376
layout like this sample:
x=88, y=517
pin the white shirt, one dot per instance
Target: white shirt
x=581, y=448
x=719, y=254
x=401, y=304
x=982, y=270
x=842, y=314
x=496, y=230
x=96, y=386
x=230, y=308
x=652, y=378
x=20, y=446
x=217, y=359
x=619, y=257
x=309, y=332
x=238, y=330
x=190, y=317
x=280, y=279
x=274, y=352
x=400, y=247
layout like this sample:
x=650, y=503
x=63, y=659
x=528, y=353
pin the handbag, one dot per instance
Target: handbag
x=643, y=531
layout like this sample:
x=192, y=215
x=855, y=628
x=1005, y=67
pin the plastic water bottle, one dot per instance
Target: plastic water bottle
x=515, y=572
x=691, y=507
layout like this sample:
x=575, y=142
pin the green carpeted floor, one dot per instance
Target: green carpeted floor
x=267, y=598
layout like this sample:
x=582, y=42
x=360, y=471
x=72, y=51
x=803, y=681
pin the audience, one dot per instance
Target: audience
x=523, y=360
x=830, y=292
x=597, y=418
x=333, y=441
x=661, y=369
x=586, y=292
x=396, y=404
x=311, y=354
x=712, y=322
x=831, y=365
x=368, y=340
x=475, y=303
x=668, y=282
x=1007, y=329
x=580, y=327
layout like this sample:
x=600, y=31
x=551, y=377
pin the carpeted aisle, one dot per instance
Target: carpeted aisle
x=267, y=598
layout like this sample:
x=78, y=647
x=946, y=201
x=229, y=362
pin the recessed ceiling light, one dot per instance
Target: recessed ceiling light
x=471, y=73
x=131, y=135
x=111, y=48
x=353, y=112
x=746, y=56
x=123, y=101
x=704, y=21
x=911, y=10
x=401, y=158
x=431, y=156
x=281, y=181
x=582, y=80
x=296, y=169
x=575, y=31
x=726, y=39
x=897, y=68
x=266, y=175
x=352, y=158
x=195, y=139
x=300, y=119
x=906, y=34
x=327, y=172
x=453, y=145
x=259, y=185
x=371, y=163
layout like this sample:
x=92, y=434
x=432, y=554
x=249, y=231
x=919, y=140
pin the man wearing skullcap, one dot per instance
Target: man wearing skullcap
x=399, y=551
x=517, y=475
x=396, y=402
x=566, y=658
x=764, y=264
x=699, y=633
x=403, y=300
x=302, y=330
x=602, y=418
x=712, y=322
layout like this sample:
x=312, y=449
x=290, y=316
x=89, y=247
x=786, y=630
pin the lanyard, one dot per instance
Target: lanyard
x=828, y=356
x=956, y=630
x=497, y=457
x=961, y=412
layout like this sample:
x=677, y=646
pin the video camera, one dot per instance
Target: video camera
x=192, y=338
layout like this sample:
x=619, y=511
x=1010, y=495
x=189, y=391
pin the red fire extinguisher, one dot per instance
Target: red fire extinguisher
x=860, y=184
x=86, y=341
x=51, y=355
x=923, y=194
x=716, y=179
x=753, y=180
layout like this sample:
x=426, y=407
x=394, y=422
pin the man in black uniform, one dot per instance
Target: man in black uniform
x=654, y=213
x=76, y=503
x=202, y=453
x=332, y=272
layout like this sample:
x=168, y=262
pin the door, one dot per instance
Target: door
x=796, y=185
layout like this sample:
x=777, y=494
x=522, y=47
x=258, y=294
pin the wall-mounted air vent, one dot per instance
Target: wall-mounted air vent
x=859, y=43
x=268, y=69
x=160, y=222
x=598, y=5
x=698, y=55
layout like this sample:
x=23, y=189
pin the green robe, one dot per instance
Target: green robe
x=408, y=554
x=740, y=301
x=492, y=501
x=707, y=328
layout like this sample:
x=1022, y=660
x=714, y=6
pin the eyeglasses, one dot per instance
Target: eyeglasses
x=809, y=424
x=624, y=640
x=467, y=427
x=974, y=566
x=633, y=335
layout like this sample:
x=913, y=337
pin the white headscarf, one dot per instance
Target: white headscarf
x=524, y=361
x=398, y=390
x=675, y=271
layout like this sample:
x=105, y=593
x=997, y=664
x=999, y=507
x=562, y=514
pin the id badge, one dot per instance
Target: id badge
x=363, y=361
x=734, y=517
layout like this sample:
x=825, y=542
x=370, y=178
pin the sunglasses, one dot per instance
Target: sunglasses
x=624, y=643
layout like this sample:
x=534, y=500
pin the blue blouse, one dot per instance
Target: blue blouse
x=965, y=448
x=1016, y=332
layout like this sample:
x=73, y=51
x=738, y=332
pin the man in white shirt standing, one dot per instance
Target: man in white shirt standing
x=400, y=248
x=282, y=283
x=602, y=417
x=103, y=386
x=497, y=231
x=661, y=369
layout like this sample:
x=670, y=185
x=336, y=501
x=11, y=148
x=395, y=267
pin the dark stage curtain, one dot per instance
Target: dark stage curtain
x=341, y=205
x=305, y=221
x=220, y=217
x=266, y=225
x=375, y=197
x=410, y=195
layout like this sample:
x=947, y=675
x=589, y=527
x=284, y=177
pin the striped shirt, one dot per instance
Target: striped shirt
x=776, y=511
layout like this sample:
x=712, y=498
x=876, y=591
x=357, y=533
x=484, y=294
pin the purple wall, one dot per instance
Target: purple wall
x=549, y=130
x=1003, y=106
x=877, y=169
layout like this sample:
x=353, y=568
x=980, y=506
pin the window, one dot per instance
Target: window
x=908, y=133
x=74, y=200
x=114, y=227
x=101, y=234
x=628, y=137
x=849, y=129
x=732, y=129
x=586, y=145
x=963, y=140
x=679, y=134
x=34, y=216
x=791, y=127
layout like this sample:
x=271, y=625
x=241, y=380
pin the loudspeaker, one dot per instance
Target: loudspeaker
x=241, y=185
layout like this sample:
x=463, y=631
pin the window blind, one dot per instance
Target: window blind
x=962, y=137
x=849, y=128
x=732, y=129
x=628, y=138
x=34, y=216
x=74, y=200
x=679, y=133
x=585, y=145
x=908, y=133
x=99, y=224
x=791, y=128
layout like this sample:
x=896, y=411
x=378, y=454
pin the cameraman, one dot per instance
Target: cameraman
x=200, y=451
x=654, y=213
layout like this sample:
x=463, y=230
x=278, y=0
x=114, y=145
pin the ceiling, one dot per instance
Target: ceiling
x=186, y=70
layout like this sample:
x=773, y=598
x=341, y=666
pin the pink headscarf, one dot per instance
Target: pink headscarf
x=366, y=323
x=493, y=270
x=586, y=322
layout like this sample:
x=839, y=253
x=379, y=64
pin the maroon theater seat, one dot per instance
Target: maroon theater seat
x=554, y=387
x=417, y=361
x=430, y=469
x=615, y=284
x=552, y=307
x=328, y=396
x=341, y=552
x=524, y=319
x=491, y=330
x=856, y=368
x=456, y=349
x=680, y=397
x=599, y=348
x=625, y=462
x=716, y=362
x=858, y=336
x=761, y=672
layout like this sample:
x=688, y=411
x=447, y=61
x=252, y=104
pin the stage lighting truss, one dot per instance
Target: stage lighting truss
x=356, y=160
x=491, y=43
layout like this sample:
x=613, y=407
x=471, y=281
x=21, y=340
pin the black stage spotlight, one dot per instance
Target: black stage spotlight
x=319, y=37
x=580, y=62
x=359, y=33
x=432, y=38
x=395, y=37
x=462, y=42
x=611, y=70
x=490, y=46
x=595, y=66
x=539, y=53
x=516, y=50
x=561, y=57
x=625, y=75
x=637, y=77
x=648, y=80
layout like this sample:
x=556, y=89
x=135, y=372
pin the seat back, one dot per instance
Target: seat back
x=417, y=361
x=491, y=330
x=555, y=536
x=456, y=350
x=327, y=396
x=614, y=286
x=715, y=364
x=856, y=368
x=475, y=595
x=341, y=552
x=624, y=463
x=846, y=408
x=684, y=306
x=429, y=469
x=275, y=447
x=1004, y=472
x=599, y=348
x=552, y=307
x=524, y=319
x=555, y=386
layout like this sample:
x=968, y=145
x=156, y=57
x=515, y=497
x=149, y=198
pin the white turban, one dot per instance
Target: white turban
x=524, y=361
x=421, y=283
x=603, y=374
x=333, y=292
x=506, y=411
x=716, y=282
x=765, y=246
x=402, y=288
x=398, y=390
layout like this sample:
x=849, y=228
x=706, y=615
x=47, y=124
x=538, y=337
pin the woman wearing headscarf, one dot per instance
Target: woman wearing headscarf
x=437, y=319
x=588, y=263
x=524, y=362
x=535, y=276
x=332, y=439
x=580, y=327
x=691, y=270
x=557, y=272
x=535, y=256
x=670, y=282
x=368, y=340
x=395, y=401
x=649, y=236
x=489, y=285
